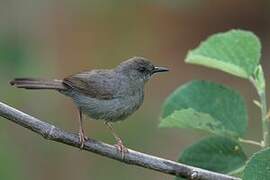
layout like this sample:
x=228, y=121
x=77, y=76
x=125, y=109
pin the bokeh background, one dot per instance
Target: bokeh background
x=53, y=39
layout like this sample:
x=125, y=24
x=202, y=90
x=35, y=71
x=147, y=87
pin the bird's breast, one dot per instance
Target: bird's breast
x=116, y=109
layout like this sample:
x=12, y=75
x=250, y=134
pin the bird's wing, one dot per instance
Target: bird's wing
x=96, y=83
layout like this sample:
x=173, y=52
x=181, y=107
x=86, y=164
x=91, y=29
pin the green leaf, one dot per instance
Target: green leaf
x=216, y=154
x=236, y=52
x=206, y=106
x=258, y=167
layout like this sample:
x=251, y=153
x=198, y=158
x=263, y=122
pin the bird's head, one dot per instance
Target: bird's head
x=139, y=68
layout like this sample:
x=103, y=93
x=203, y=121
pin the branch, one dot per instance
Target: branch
x=53, y=133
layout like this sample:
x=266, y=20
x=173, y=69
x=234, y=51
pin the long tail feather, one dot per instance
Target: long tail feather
x=30, y=83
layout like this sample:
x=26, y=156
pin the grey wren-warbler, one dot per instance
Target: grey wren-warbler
x=110, y=95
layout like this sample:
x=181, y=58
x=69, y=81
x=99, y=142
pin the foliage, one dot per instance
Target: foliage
x=235, y=52
x=210, y=151
x=207, y=106
x=258, y=167
x=220, y=110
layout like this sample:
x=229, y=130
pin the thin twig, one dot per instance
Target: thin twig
x=247, y=141
x=53, y=133
x=257, y=103
x=264, y=114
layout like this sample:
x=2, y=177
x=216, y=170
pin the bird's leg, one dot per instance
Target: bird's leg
x=81, y=131
x=120, y=146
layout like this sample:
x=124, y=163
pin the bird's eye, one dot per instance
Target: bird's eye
x=142, y=69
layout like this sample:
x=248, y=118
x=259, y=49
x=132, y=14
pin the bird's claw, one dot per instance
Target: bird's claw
x=121, y=148
x=82, y=139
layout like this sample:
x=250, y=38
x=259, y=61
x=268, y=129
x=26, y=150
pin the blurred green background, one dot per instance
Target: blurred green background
x=53, y=39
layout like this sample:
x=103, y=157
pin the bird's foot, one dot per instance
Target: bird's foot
x=121, y=148
x=83, y=138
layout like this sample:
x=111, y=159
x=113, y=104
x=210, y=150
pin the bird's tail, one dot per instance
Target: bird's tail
x=31, y=83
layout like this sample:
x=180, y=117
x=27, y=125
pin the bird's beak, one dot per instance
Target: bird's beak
x=159, y=69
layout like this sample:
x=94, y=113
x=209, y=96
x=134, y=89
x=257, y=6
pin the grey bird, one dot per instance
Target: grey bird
x=106, y=94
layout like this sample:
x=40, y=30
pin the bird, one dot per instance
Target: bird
x=110, y=95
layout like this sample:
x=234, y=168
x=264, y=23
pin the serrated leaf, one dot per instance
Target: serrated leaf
x=258, y=167
x=236, y=52
x=206, y=106
x=216, y=154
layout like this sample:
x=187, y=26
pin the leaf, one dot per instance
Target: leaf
x=258, y=167
x=236, y=52
x=206, y=106
x=200, y=121
x=216, y=154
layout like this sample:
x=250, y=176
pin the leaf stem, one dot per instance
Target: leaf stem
x=265, y=120
x=237, y=171
x=247, y=141
x=259, y=83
